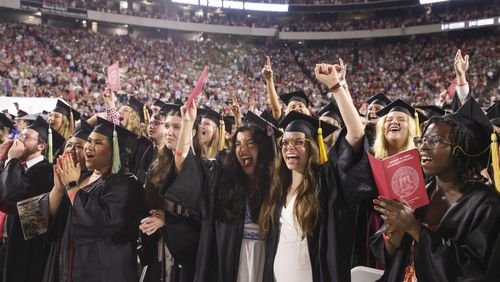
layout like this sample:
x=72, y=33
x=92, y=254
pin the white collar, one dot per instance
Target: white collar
x=33, y=162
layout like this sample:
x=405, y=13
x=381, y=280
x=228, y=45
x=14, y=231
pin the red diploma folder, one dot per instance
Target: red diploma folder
x=114, y=77
x=197, y=88
x=400, y=177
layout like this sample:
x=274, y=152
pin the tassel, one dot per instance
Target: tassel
x=323, y=158
x=495, y=161
x=71, y=122
x=116, y=153
x=417, y=124
x=51, y=153
x=146, y=114
x=222, y=130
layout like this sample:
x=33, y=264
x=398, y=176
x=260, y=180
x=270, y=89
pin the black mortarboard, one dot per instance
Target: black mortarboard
x=379, y=99
x=296, y=121
x=6, y=122
x=53, y=139
x=269, y=118
x=455, y=103
x=66, y=110
x=210, y=114
x=158, y=103
x=21, y=114
x=167, y=108
x=472, y=116
x=84, y=130
x=269, y=128
x=139, y=108
x=493, y=112
x=298, y=96
x=401, y=106
x=106, y=127
x=432, y=111
x=229, y=121
x=333, y=111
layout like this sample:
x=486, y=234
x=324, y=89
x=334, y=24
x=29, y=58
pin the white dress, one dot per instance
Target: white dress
x=252, y=253
x=292, y=261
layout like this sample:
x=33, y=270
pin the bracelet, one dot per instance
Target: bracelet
x=181, y=155
x=335, y=87
x=460, y=85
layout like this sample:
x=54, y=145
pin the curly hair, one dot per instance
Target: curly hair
x=380, y=147
x=306, y=208
x=134, y=123
x=233, y=192
x=470, y=151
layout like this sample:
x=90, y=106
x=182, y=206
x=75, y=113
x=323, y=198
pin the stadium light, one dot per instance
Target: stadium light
x=423, y=2
x=266, y=7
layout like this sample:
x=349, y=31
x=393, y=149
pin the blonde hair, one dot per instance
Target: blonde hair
x=65, y=129
x=306, y=208
x=380, y=147
x=213, y=149
x=134, y=122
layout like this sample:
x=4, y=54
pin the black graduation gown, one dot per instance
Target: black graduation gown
x=340, y=189
x=465, y=246
x=219, y=244
x=144, y=157
x=25, y=259
x=95, y=239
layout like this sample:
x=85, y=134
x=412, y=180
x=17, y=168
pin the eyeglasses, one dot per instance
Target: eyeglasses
x=432, y=142
x=155, y=123
x=296, y=143
x=25, y=137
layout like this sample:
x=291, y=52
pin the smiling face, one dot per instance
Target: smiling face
x=371, y=113
x=172, y=129
x=293, y=149
x=247, y=151
x=98, y=152
x=437, y=161
x=124, y=115
x=396, y=129
x=75, y=147
x=299, y=107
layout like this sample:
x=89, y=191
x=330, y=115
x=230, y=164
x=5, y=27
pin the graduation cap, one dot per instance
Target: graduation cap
x=140, y=108
x=333, y=111
x=269, y=118
x=54, y=140
x=311, y=127
x=167, y=108
x=21, y=114
x=401, y=106
x=210, y=114
x=379, y=99
x=298, y=96
x=158, y=103
x=493, y=113
x=67, y=111
x=84, y=130
x=121, y=138
x=472, y=118
x=432, y=111
x=260, y=122
x=5, y=121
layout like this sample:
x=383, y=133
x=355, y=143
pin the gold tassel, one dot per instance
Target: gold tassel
x=222, y=130
x=417, y=124
x=51, y=153
x=71, y=122
x=146, y=114
x=323, y=157
x=495, y=161
x=116, y=153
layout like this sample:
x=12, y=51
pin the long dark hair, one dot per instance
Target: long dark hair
x=469, y=151
x=233, y=192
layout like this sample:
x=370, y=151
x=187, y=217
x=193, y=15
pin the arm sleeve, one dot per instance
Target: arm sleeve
x=113, y=116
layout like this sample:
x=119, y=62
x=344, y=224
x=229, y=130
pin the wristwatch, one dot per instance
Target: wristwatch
x=71, y=185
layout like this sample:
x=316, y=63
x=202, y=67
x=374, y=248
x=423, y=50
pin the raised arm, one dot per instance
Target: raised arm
x=461, y=66
x=274, y=102
x=330, y=75
x=183, y=144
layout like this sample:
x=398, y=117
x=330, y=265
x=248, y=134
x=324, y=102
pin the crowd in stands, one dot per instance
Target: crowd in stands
x=53, y=62
x=420, y=15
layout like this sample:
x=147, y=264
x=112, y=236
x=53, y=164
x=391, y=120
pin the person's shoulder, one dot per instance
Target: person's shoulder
x=486, y=193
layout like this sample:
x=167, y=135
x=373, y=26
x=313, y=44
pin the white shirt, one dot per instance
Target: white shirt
x=29, y=163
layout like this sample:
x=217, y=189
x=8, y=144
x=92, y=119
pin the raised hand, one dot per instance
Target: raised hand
x=235, y=107
x=109, y=98
x=343, y=69
x=189, y=113
x=328, y=75
x=461, y=63
x=68, y=170
x=58, y=184
x=267, y=72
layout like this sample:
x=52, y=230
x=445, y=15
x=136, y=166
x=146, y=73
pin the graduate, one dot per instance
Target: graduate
x=128, y=116
x=23, y=120
x=74, y=145
x=226, y=196
x=457, y=236
x=26, y=173
x=63, y=119
x=331, y=114
x=93, y=218
x=6, y=125
x=211, y=137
